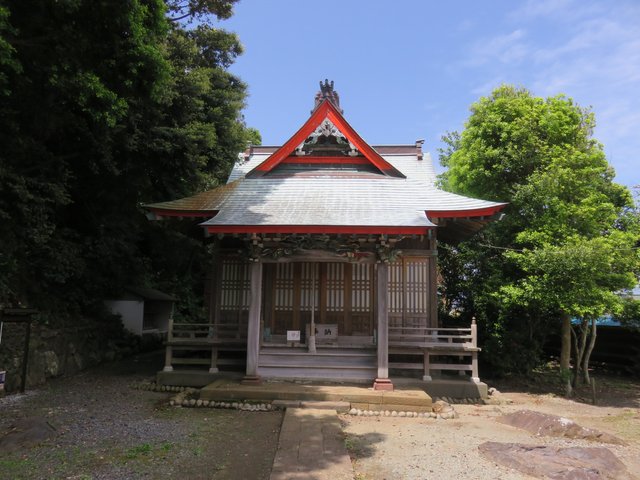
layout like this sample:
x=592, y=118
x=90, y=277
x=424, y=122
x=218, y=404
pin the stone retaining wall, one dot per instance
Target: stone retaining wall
x=60, y=351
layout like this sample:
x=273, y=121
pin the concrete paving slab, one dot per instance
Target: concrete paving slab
x=311, y=446
x=286, y=392
x=340, y=407
x=284, y=404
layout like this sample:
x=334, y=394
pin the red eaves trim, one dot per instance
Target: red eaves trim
x=478, y=212
x=184, y=213
x=312, y=159
x=315, y=229
x=325, y=110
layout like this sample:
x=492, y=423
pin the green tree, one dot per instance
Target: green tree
x=201, y=10
x=104, y=106
x=568, y=241
x=83, y=69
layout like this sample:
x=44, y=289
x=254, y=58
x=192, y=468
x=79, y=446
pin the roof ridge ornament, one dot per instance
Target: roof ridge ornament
x=327, y=93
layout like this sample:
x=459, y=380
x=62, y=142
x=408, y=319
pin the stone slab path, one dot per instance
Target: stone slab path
x=311, y=447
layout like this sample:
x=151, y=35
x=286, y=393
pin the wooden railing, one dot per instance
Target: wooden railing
x=456, y=344
x=201, y=337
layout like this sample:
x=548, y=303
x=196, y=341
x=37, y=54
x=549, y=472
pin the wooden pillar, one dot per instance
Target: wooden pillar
x=433, y=282
x=253, y=329
x=214, y=360
x=168, y=359
x=168, y=355
x=427, y=366
x=475, y=377
x=382, y=381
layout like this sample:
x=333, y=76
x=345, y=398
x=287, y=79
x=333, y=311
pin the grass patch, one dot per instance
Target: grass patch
x=146, y=451
x=353, y=446
x=16, y=467
x=138, y=451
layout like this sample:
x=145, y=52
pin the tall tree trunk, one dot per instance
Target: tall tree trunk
x=576, y=362
x=565, y=354
x=587, y=355
x=580, y=348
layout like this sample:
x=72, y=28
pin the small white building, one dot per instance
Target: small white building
x=144, y=311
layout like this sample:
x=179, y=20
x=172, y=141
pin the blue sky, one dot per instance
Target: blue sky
x=410, y=69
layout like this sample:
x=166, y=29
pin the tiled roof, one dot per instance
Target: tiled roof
x=206, y=203
x=322, y=198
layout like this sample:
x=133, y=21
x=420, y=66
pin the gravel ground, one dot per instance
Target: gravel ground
x=107, y=430
x=411, y=449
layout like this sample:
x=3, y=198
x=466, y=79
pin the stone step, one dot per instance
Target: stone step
x=361, y=397
x=338, y=406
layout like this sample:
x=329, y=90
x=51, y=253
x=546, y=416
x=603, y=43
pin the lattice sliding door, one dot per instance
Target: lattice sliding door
x=233, y=296
x=341, y=293
x=308, y=280
x=333, y=309
x=409, y=292
x=362, y=299
x=283, y=298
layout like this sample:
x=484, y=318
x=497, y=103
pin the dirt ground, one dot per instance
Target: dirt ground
x=104, y=429
x=401, y=448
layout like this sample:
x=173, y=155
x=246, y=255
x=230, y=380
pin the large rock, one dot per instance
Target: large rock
x=574, y=463
x=555, y=426
x=51, y=364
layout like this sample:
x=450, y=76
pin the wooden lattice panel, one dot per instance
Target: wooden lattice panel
x=234, y=285
x=283, y=287
x=233, y=297
x=335, y=287
x=409, y=285
x=309, y=280
x=361, y=314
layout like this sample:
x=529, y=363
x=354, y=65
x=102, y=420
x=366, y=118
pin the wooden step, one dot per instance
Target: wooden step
x=310, y=360
x=338, y=363
x=305, y=372
x=320, y=350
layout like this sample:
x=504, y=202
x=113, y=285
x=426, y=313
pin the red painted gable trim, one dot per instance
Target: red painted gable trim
x=478, y=212
x=325, y=110
x=312, y=159
x=315, y=229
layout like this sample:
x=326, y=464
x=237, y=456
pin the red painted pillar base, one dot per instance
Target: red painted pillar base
x=383, y=384
x=251, y=380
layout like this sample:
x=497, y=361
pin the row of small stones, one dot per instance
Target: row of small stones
x=154, y=387
x=267, y=407
x=179, y=400
x=150, y=386
x=387, y=413
x=192, y=402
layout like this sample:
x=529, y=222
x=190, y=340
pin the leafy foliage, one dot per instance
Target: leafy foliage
x=629, y=314
x=201, y=10
x=569, y=239
x=104, y=109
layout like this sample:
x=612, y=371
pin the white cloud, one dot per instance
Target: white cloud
x=508, y=48
x=589, y=51
x=540, y=8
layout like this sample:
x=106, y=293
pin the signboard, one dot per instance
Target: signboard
x=293, y=335
x=327, y=332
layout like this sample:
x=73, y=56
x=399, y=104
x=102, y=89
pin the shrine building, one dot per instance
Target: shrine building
x=325, y=261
